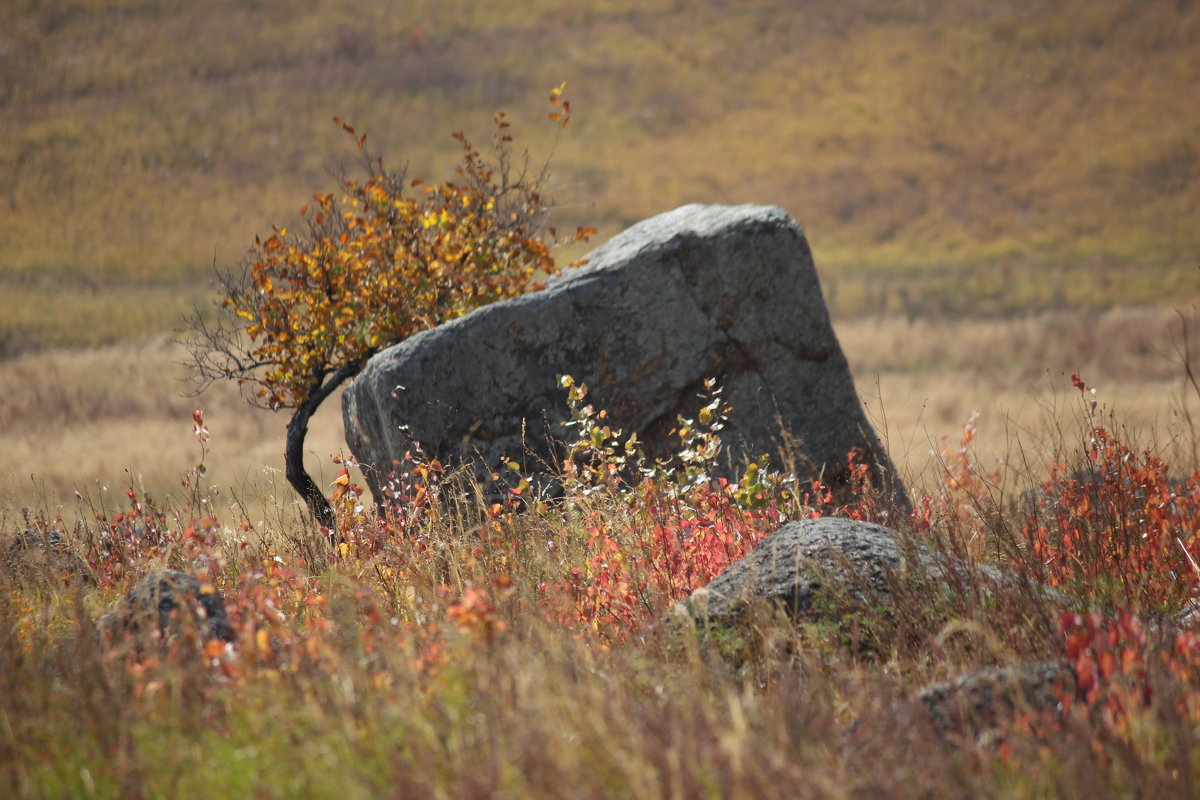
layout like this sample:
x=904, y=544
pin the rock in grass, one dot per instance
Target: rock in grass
x=700, y=292
x=794, y=566
x=43, y=555
x=806, y=563
x=1092, y=481
x=170, y=602
x=983, y=702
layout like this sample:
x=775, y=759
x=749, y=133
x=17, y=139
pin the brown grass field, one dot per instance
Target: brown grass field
x=989, y=157
x=119, y=415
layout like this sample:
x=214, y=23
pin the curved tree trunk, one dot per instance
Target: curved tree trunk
x=293, y=452
x=297, y=475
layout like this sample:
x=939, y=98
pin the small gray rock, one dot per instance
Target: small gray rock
x=38, y=555
x=799, y=563
x=1045, y=502
x=985, y=700
x=165, y=601
x=792, y=566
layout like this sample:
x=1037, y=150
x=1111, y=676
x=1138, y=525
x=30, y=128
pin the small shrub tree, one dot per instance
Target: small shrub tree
x=1119, y=532
x=389, y=258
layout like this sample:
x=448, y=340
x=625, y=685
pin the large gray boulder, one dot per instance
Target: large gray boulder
x=703, y=291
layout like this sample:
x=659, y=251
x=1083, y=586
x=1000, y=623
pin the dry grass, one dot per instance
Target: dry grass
x=921, y=380
x=100, y=420
x=443, y=662
x=83, y=419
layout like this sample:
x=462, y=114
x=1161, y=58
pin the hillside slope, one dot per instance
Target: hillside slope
x=952, y=150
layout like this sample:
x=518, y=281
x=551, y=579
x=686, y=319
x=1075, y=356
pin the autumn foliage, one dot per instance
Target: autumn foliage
x=1118, y=530
x=446, y=613
x=655, y=532
x=377, y=265
x=382, y=259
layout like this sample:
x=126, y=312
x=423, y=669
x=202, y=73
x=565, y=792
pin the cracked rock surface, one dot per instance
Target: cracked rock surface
x=727, y=292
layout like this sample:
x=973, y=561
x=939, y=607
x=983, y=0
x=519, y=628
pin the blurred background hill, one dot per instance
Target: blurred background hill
x=949, y=159
x=981, y=156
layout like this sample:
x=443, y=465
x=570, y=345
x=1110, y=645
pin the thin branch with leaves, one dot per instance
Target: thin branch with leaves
x=388, y=258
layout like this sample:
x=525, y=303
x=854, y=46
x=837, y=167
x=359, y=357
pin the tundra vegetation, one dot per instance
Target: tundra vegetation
x=460, y=648
x=454, y=647
x=450, y=645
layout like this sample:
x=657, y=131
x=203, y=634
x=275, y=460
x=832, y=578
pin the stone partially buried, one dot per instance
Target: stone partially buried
x=702, y=291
